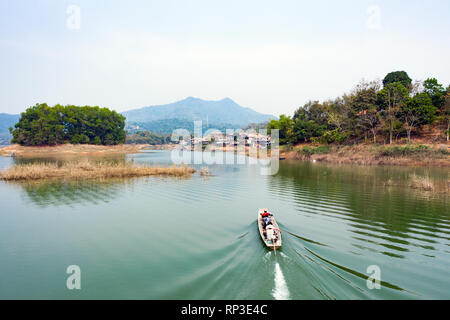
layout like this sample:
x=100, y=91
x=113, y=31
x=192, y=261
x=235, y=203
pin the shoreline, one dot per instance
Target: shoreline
x=67, y=150
x=418, y=155
x=414, y=154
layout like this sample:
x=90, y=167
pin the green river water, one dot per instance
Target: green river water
x=196, y=238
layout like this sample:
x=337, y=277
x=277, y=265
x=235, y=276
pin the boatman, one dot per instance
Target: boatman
x=266, y=214
x=266, y=221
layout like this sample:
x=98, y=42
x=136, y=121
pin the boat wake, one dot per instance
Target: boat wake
x=283, y=255
x=280, y=291
x=267, y=256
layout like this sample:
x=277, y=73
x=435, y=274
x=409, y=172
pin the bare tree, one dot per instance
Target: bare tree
x=394, y=96
x=416, y=87
x=372, y=120
x=411, y=118
x=363, y=100
x=446, y=112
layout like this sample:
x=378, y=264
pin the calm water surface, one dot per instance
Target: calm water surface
x=153, y=238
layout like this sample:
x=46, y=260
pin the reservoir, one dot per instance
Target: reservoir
x=197, y=238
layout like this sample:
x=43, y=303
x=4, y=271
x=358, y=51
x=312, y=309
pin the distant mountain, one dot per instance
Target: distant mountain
x=221, y=115
x=167, y=126
x=6, y=121
x=224, y=111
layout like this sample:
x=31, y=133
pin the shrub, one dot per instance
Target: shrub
x=399, y=151
x=309, y=151
x=80, y=139
x=334, y=136
x=97, y=140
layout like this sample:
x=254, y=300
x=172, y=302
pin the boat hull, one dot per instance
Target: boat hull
x=271, y=246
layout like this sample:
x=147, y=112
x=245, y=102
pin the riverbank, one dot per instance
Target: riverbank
x=88, y=170
x=19, y=151
x=364, y=154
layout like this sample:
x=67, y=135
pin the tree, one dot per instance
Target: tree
x=307, y=129
x=44, y=125
x=39, y=125
x=363, y=107
x=371, y=119
x=305, y=125
x=417, y=111
x=445, y=112
x=315, y=111
x=391, y=98
x=398, y=76
x=436, y=91
x=337, y=112
x=285, y=126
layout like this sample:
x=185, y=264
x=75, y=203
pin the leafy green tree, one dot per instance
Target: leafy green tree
x=304, y=129
x=317, y=112
x=39, y=125
x=363, y=108
x=398, y=76
x=418, y=110
x=147, y=137
x=337, y=113
x=334, y=136
x=436, y=91
x=44, y=125
x=285, y=125
x=391, y=99
x=79, y=139
x=398, y=107
x=301, y=113
x=310, y=121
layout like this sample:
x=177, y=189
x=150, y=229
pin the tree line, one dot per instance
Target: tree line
x=376, y=111
x=147, y=137
x=45, y=125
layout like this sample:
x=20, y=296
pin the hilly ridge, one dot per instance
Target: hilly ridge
x=224, y=111
x=222, y=114
x=6, y=121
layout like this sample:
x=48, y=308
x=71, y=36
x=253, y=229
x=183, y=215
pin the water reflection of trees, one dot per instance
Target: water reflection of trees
x=390, y=216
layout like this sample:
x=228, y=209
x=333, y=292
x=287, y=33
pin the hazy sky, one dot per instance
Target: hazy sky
x=272, y=56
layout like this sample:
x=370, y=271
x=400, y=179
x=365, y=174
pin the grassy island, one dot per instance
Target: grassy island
x=86, y=169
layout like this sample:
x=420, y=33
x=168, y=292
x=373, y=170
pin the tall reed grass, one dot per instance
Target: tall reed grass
x=422, y=183
x=88, y=170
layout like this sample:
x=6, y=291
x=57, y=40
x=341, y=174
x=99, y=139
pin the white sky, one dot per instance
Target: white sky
x=272, y=56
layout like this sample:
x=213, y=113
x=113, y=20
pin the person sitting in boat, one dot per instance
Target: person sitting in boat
x=266, y=214
x=271, y=233
x=276, y=231
x=266, y=221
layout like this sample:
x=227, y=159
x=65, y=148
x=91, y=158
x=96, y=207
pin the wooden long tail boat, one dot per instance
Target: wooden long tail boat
x=272, y=245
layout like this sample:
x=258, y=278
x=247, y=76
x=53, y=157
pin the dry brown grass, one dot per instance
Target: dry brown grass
x=204, y=171
x=422, y=183
x=88, y=170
